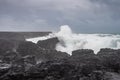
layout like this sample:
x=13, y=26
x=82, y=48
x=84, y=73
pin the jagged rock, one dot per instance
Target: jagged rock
x=27, y=48
x=97, y=75
x=18, y=66
x=52, y=70
x=3, y=73
x=82, y=56
x=49, y=55
x=29, y=61
x=86, y=60
x=56, y=55
x=106, y=51
x=54, y=65
x=9, y=57
x=4, y=66
x=111, y=76
x=57, y=70
x=49, y=43
x=110, y=59
x=8, y=45
x=82, y=52
x=5, y=46
x=22, y=64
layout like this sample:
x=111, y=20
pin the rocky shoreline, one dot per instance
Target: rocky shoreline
x=29, y=61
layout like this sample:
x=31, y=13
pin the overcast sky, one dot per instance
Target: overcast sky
x=85, y=16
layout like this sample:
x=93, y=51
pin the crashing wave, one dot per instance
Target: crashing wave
x=70, y=41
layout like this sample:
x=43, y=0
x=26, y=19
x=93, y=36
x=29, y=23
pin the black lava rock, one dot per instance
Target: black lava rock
x=83, y=56
x=49, y=43
x=27, y=48
x=110, y=59
x=6, y=46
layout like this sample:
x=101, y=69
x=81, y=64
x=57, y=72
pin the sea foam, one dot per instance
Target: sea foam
x=70, y=41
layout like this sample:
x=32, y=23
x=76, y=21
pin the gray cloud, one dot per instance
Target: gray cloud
x=86, y=16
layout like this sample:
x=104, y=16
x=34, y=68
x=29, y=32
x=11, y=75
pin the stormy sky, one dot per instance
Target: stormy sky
x=83, y=16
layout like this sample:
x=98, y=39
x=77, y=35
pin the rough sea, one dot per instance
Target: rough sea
x=70, y=41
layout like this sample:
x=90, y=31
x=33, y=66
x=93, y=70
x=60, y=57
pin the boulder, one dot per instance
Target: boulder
x=106, y=51
x=85, y=59
x=82, y=55
x=110, y=59
x=49, y=43
x=82, y=52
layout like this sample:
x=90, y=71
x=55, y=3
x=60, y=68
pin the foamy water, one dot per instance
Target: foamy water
x=35, y=40
x=70, y=41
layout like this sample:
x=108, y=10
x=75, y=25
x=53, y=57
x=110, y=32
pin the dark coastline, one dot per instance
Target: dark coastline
x=24, y=60
x=7, y=35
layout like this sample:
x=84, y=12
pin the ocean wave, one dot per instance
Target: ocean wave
x=70, y=41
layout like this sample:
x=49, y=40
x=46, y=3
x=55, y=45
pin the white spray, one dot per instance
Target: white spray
x=70, y=41
x=35, y=40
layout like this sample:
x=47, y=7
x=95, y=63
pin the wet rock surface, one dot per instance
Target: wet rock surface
x=30, y=61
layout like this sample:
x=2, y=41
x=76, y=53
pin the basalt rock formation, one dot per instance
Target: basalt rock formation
x=110, y=59
x=6, y=46
x=41, y=61
x=49, y=43
x=86, y=66
x=27, y=48
x=83, y=57
x=42, y=54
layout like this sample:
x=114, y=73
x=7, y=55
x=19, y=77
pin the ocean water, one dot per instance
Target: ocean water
x=70, y=41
